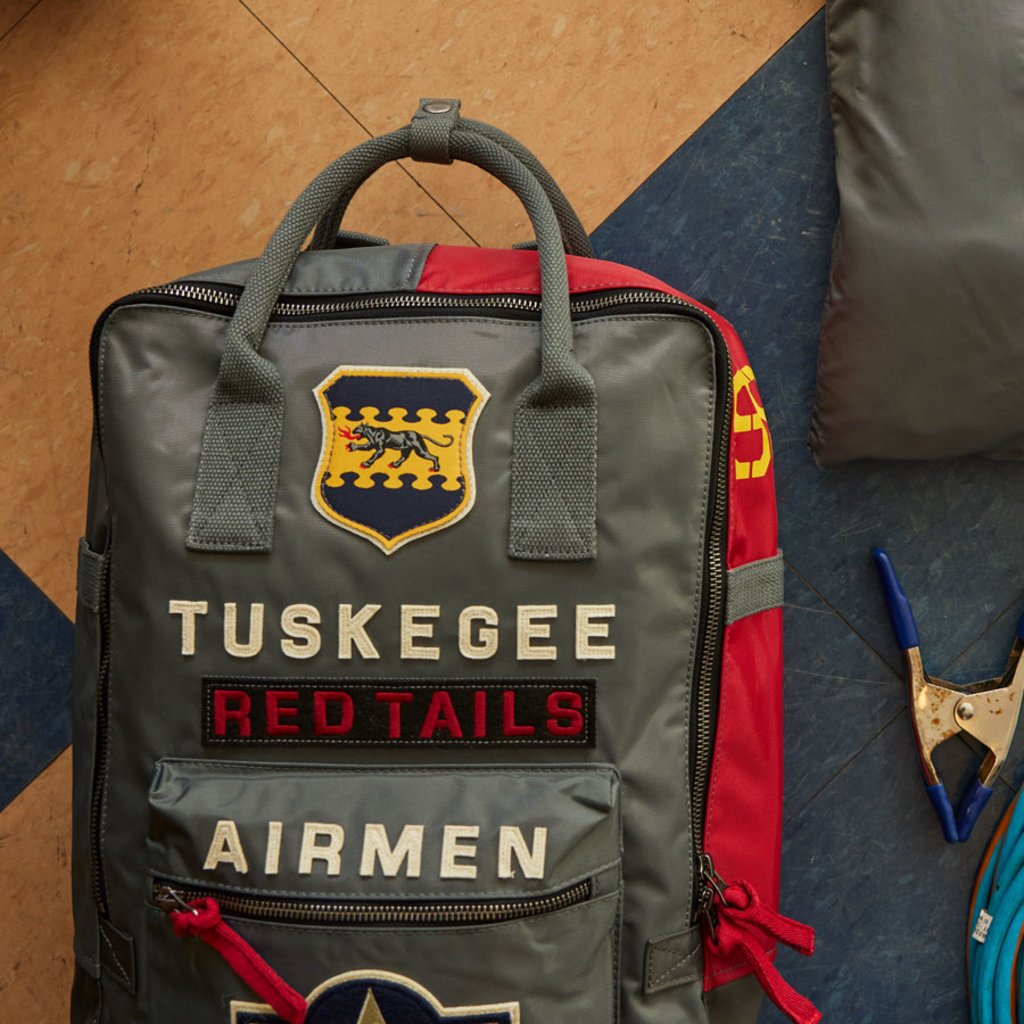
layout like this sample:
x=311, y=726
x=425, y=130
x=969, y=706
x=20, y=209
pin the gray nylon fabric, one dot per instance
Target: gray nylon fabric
x=91, y=567
x=922, y=352
x=431, y=130
x=553, y=498
x=754, y=587
x=585, y=964
x=574, y=236
x=675, y=960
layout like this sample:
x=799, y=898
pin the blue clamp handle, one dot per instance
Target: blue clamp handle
x=944, y=809
x=902, y=617
x=972, y=803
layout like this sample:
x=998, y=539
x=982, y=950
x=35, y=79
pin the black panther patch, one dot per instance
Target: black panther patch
x=396, y=458
x=378, y=997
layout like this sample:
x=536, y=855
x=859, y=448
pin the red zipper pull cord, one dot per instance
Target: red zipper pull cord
x=731, y=917
x=202, y=919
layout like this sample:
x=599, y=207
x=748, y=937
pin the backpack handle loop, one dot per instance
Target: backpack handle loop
x=553, y=493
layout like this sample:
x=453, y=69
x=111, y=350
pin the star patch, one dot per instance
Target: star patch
x=396, y=459
x=378, y=997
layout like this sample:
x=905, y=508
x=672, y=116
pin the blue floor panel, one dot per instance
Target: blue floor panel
x=743, y=214
x=35, y=674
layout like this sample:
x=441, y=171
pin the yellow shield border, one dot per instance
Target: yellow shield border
x=392, y=544
x=512, y=1009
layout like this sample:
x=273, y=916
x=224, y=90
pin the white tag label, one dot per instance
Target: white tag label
x=981, y=926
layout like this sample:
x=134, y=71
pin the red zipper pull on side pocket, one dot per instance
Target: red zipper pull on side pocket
x=202, y=919
x=732, y=912
x=744, y=904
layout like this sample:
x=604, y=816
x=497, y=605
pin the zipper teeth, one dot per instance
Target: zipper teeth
x=168, y=896
x=222, y=297
x=712, y=628
x=98, y=878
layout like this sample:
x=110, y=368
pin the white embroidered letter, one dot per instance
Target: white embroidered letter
x=300, y=621
x=254, y=644
x=352, y=630
x=511, y=840
x=273, y=860
x=188, y=610
x=587, y=630
x=376, y=846
x=330, y=853
x=451, y=849
x=530, y=629
x=486, y=646
x=226, y=848
x=413, y=630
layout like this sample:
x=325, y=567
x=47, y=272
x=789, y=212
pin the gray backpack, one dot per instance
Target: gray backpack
x=428, y=652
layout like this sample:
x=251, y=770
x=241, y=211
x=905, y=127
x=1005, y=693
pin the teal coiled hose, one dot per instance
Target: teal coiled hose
x=996, y=925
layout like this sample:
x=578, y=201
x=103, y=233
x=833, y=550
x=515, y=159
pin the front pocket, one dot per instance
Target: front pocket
x=457, y=894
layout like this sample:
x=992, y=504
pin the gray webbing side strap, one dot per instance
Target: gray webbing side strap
x=553, y=500
x=754, y=587
x=575, y=239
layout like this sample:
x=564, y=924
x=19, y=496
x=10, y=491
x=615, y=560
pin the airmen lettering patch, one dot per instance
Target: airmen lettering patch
x=399, y=713
x=396, y=459
x=378, y=997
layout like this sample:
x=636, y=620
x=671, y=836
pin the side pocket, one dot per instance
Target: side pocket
x=92, y=569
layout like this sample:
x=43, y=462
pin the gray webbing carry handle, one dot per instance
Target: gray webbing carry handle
x=574, y=236
x=553, y=497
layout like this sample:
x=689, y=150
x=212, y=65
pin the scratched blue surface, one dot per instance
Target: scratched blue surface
x=35, y=670
x=743, y=214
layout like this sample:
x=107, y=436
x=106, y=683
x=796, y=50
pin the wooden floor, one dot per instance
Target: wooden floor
x=144, y=139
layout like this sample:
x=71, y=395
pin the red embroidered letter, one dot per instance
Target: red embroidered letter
x=223, y=713
x=394, y=702
x=441, y=715
x=321, y=699
x=508, y=717
x=565, y=707
x=276, y=711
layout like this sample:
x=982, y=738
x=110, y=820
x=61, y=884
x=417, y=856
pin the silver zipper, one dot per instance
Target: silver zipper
x=221, y=297
x=170, y=897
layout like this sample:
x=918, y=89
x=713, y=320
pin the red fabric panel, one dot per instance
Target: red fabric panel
x=466, y=270
x=743, y=825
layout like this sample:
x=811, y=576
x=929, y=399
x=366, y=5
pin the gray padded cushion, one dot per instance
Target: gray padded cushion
x=922, y=347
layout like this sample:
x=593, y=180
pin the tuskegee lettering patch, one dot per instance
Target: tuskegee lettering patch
x=399, y=712
x=378, y=997
x=396, y=458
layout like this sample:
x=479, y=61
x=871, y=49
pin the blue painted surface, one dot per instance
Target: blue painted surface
x=35, y=673
x=743, y=215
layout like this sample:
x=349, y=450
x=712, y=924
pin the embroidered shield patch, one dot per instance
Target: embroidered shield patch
x=396, y=461
x=378, y=997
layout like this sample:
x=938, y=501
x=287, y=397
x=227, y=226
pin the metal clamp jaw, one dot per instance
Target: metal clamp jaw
x=987, y=710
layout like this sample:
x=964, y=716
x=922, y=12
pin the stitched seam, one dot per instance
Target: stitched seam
x=676, y=968
x=113, y=953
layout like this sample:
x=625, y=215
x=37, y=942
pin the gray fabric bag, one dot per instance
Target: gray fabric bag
x=922, y=348
x=392, y=666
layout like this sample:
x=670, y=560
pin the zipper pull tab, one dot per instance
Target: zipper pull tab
x=733, y=910
x=202, y=918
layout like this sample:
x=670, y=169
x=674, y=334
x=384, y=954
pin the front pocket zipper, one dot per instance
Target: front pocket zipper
x=170, y=896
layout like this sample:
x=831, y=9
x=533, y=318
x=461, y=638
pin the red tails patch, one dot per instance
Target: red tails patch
x=399, y=712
